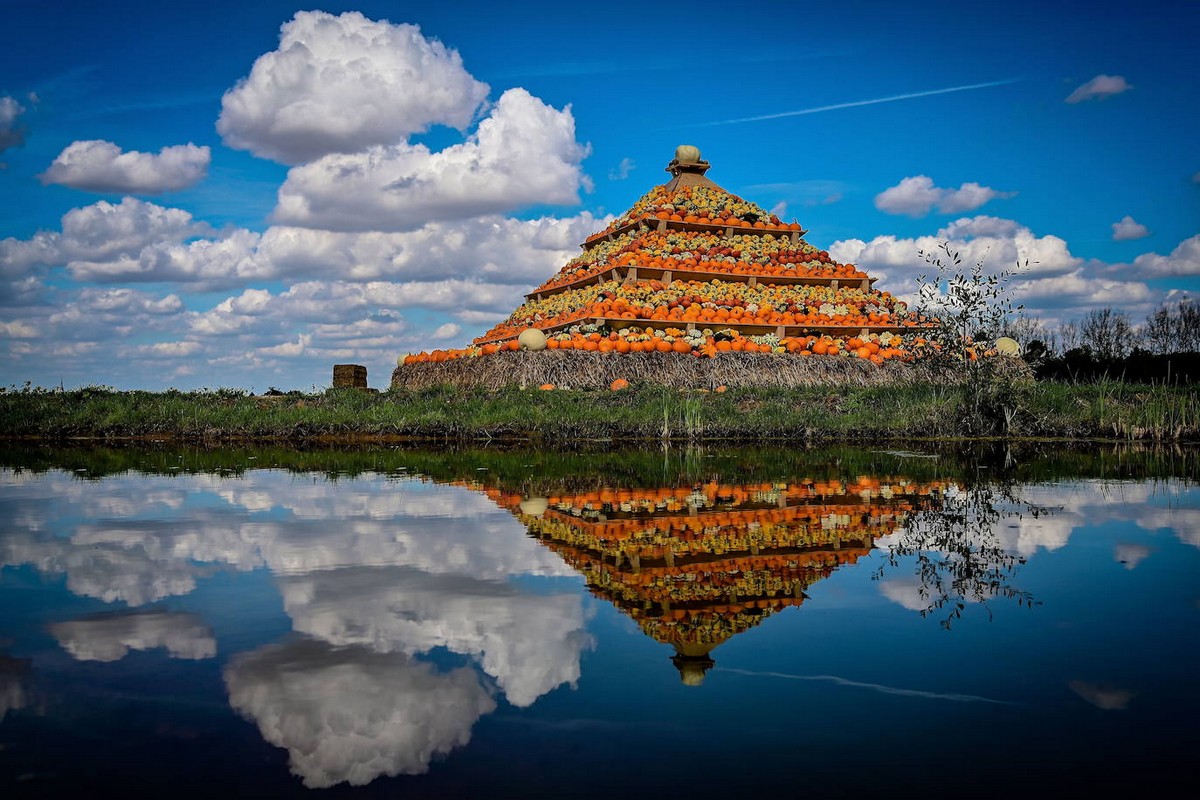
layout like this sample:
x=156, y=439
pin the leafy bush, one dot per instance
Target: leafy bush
x=969, y=308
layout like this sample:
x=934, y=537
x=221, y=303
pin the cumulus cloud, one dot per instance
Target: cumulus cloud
x=1078, y=291
x=100, y=233
x=135, y=240
x=350, y=715
x=99, y=166
x=917, y=196
x=1183, y=260
x=1002, y=243
x=1052, y=282
x=17, y=330
x=1128, y=229
x=110, y=637
x=492, y=248
x=11, y=134
x=1098, y=88
x=523, y=153
x=341, y=84
x=213, y=263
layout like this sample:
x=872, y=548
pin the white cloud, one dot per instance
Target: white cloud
x=343, y=84
x=1001, y=243
x=523, y=153
x=17, y=330
x=917, y=196
x=349, y=715
x=11, y=134
x=1098, y=88
x=168, y=349
x=1056, y=284
x=110, y=637
x=100, y=166
x=287, y=349
x=447, y=331
x=139, y=241
x=623, y=169
x=1128, y=228
x=104, y=229
x=493, y=248
x=1183, y=260
x=914, y=196
x=100, y=233
x=212, y=262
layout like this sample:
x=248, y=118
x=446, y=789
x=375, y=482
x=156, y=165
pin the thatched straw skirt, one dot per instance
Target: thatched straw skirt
x=579, y=369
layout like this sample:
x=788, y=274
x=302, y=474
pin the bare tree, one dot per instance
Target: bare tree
x=1067, y=338
x=1173, y=328
x=1189, y=326
x=1159, y=331
x=1107, y=334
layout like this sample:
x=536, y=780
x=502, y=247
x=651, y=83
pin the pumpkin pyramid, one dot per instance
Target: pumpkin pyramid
x=694, y=269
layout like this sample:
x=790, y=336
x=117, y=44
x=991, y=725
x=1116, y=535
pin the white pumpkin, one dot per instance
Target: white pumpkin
x=1007, y=346
x=534, y=506
x=532, y=339
x=687, y=154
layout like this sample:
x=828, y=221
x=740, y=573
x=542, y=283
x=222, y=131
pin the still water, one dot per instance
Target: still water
x=391, y=623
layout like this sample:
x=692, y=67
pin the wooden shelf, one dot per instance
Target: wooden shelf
x=647, y=222
x=669, y=274
x=745, y=328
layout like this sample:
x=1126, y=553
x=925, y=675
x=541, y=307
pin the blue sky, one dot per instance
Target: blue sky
x=244, y=194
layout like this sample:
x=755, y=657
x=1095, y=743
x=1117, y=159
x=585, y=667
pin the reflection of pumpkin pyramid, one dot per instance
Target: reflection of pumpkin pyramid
x=694, y=269
x=694, y=566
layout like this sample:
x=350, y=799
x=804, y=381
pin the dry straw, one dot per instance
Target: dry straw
x=581, y=369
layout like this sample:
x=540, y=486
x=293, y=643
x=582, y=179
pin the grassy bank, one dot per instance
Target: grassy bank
x=549, y=470
x=1105, y=410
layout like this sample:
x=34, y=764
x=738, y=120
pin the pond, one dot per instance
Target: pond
x=838, y=622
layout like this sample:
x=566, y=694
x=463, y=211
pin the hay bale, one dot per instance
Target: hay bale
x=353, y=376
x=581, y=369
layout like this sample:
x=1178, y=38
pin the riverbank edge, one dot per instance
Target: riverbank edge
x=1107, y=412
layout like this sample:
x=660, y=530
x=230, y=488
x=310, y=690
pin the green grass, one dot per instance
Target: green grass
x=1107, y=410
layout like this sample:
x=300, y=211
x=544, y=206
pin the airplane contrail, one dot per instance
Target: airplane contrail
x=856, y=103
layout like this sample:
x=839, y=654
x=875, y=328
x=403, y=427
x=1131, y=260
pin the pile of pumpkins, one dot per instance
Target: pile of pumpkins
x=753, y=287
x=701, y=205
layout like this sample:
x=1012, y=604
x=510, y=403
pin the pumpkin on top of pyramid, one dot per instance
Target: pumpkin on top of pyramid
x=696, y=270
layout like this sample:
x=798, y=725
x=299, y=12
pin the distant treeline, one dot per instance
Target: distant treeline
x=1106, y=344
x=1140, y=366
